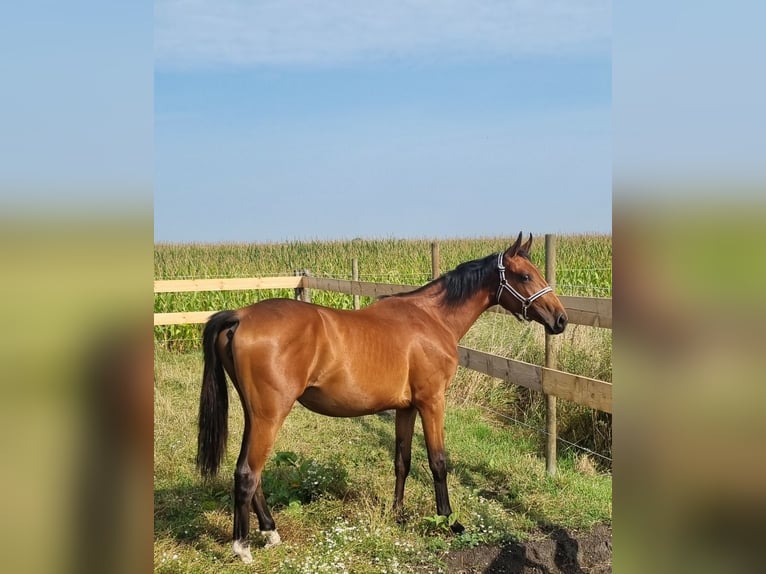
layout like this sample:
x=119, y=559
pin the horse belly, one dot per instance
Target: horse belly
x=341, y=400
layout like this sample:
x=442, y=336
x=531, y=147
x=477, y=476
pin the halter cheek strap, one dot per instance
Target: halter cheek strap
x=525, y=301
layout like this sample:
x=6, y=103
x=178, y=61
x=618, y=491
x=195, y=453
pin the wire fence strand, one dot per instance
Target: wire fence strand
x=544, y=432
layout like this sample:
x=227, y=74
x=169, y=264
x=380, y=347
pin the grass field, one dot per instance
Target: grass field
x=331, y=480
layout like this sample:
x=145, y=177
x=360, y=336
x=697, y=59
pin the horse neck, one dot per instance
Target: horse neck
x=458, y=318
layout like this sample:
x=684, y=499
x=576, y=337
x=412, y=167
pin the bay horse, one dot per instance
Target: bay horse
x=398, y=353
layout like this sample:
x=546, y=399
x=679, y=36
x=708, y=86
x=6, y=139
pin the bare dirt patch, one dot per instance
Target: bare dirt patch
x=554, y=550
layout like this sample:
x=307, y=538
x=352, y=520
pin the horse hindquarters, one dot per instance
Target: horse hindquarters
x=267, y=396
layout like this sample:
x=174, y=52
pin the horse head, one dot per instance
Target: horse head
x=523, y=291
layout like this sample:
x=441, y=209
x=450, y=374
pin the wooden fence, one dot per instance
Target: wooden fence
x=589, y=311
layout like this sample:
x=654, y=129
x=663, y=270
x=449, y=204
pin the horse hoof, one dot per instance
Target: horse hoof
x=242, y=549
x=271, y=537
x=457, y=528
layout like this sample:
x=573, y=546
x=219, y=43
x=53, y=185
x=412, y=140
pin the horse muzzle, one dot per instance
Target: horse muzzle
x=558, y=325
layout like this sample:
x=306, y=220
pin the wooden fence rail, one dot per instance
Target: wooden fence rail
x=577, y=389
x=233, y=284
x=590, y=311
x=362, y=288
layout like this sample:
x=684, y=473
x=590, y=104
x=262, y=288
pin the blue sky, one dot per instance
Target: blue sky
x=106, y=105
x=329, y=120
x=689, y=93
x=76, y=105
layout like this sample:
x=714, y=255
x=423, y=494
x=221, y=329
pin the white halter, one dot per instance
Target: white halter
x=525, y=301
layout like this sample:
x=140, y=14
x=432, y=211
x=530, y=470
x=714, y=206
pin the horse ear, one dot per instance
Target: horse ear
x=513, y=249
x=528, y=245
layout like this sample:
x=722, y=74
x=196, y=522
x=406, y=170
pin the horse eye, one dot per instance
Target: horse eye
x=524, y=277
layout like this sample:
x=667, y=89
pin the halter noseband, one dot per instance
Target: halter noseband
x=525, y=301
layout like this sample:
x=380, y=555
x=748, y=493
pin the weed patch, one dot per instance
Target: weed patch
x=292, y=480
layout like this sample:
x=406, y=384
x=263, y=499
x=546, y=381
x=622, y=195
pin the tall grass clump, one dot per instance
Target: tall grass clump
x=584, y=265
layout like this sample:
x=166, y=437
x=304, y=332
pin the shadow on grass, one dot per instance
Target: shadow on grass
x=385, y=435
x=558, y=553
x=198, y=513
x=182, y=512
x=560, y=550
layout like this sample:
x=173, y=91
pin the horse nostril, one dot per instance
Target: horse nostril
x=561, y=322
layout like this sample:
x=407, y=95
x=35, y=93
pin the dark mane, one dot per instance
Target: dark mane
x=462, y=281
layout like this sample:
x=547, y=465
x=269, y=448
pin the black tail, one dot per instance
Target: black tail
x=214, y=399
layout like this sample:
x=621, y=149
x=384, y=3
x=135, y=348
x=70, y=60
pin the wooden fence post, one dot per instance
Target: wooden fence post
x=298, y=290
x=303, y=293
x=306, y=290
x=550, y=362
x=355, y=277
x=434, y=260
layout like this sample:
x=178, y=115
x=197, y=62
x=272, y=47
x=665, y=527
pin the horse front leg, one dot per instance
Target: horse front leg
x=432, y=416
x=405, y=427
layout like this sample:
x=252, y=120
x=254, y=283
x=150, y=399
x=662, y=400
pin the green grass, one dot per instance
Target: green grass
x=498, y=487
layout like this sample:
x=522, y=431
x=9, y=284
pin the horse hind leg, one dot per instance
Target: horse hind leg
x=263, y=435
x=244, y=491
x=405, y=426
x=256, y=446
